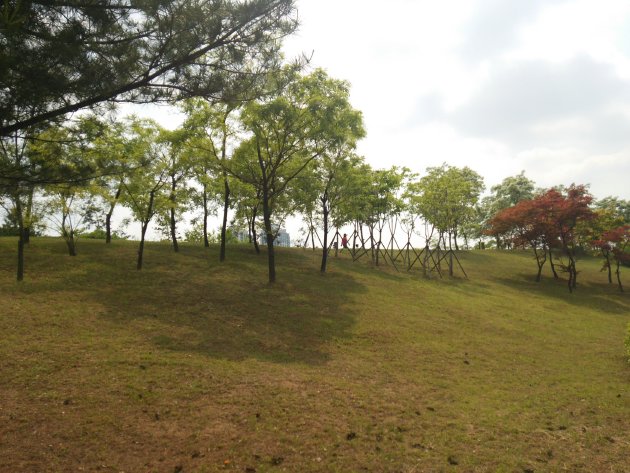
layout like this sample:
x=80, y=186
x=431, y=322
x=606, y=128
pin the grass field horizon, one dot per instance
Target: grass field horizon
x=195, y=366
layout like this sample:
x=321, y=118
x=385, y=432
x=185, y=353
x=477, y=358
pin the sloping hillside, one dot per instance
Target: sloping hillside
x=193, y=366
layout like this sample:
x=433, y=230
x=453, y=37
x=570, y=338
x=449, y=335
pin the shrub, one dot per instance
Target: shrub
x=100, y=234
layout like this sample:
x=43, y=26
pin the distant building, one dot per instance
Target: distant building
x=241, y=235
x=282, y=239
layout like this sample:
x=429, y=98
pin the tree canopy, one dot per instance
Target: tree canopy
x=58, y=57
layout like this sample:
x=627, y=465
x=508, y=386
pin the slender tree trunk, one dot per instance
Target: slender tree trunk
x=206, y=243
x=271, y=257
x=108, y=217
x=325, y=245
x=455, y=240
x=249, y=229
x=145, y=226
x=72, y=243
x=68, y=235
x=29, y=217
x=379, y=244
x=362, y=237
x=173, y=223
x=540, y=261
x=608, y=266
x=20, y=261
x=552, y=264
x=312, y=233
x=254, y=234
x=141, y=246
x=570, y=271
x=618, y=274
x=425, y=260
x=372, y=242
x=20, y=222
x=226, y=207
x=266, y=179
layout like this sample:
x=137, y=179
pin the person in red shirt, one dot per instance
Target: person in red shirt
x=344, y=241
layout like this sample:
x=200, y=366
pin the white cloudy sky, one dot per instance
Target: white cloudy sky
x=497, y=85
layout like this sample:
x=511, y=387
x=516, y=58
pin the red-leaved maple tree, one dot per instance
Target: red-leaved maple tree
x=547, y=222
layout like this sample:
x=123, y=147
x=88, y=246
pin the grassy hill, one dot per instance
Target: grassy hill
x=193, y=366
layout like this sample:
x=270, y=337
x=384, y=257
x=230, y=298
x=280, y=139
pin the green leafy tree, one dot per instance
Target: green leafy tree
x=330, y=179
x=215, y=130
x=619, y=208
x=70, y=204
x=289, y=131
x=247, y=204
x=446, y=198
x=175, y=160
x=119, y=151
x=144, y=191
x=62, y=56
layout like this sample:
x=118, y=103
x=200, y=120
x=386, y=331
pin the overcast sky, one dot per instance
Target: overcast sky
x=497, y=85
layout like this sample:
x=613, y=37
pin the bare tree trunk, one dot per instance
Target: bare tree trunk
x=253, y=228
x=68, y=235
x=574, y=271
x=425, y=260
x=271, y=257
x=206, y=243
x=172, y=212
x=618, y=273
x=20, y=221
x=325, y=244
x=372, y=241
x=552, y=264
x=226, y=207
x=608, y=266
x=312, y=233
x=141, y=247
x=29, y=217
x=540, y=261
x=108, y=217
x=362, y=237
x=145, y=225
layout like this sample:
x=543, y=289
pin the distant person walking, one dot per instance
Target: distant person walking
x=344, y=241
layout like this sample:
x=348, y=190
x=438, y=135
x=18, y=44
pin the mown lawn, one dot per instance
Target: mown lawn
x=194, y=366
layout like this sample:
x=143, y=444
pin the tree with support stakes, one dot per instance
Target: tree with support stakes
x=333, y=181
x=289, y=132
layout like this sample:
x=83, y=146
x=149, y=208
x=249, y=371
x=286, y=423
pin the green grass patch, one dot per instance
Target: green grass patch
x=195, y=366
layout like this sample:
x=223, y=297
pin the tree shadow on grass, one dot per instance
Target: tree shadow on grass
x=595, y=296
x=229, y=311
